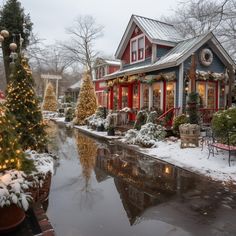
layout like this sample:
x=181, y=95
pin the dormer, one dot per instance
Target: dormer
x=145, y=40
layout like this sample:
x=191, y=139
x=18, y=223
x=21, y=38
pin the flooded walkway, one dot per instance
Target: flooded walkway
x=104, y=190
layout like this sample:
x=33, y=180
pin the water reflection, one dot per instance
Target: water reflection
x=130, y=194
x=87, y=150
x=143, y=183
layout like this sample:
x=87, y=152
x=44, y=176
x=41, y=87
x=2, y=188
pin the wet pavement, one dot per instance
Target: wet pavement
x=100, y=189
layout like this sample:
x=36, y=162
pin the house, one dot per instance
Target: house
x=73, y=91
x=103, y=67
x=155, y=66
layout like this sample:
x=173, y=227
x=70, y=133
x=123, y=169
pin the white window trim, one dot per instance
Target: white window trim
x=130, y=53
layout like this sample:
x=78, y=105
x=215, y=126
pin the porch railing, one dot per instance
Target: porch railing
x=206, y=115
x=168, y=117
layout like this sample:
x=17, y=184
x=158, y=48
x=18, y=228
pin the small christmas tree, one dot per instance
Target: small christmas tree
x=22, y=102
x=50, y=100
x=11, y=154
x=87, y=103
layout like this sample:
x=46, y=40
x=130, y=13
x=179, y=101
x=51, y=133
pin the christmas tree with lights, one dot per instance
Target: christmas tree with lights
x=87, y=102
x=50, y=100
x=11, y=153
x=22, y=102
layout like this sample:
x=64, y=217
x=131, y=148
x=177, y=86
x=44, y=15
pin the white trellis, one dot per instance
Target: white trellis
x=48, y=77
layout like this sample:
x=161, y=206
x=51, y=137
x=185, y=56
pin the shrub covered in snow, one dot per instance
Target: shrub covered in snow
x=14, y=184
x=130, y=136
x=141, y=119
x=98, y=118
x=95, y=121
x=222, y=123
x=13, y=189
x=147, y=136
x=152, y=117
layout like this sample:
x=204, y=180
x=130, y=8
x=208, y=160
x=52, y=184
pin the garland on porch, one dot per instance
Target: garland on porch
x=150, y=79
x=209, y=75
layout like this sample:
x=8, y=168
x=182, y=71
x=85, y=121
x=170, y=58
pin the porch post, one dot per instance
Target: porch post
x=111, y=93
x=181, y=87
x=164, y=95
x=231, y=80
x=120, y=97
x=141, y=95
x=150, y=97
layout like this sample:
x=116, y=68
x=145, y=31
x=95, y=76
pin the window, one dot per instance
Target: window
x=140, y=48
x=133, y=51
x=156, y=95
x=137, y=49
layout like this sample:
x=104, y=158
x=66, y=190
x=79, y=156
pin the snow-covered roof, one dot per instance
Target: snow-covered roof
x=102, y=61
x=77, y=85
x=156, y=31
x=113, y=62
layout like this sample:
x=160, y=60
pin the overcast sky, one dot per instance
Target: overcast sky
x=51, y=17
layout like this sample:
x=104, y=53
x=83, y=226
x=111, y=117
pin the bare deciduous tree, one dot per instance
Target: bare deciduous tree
x=80, y=48
x=196, y=17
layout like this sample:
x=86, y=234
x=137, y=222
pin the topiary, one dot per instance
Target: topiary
x=222, y=123
x=141, y=119
x=179, y=120
x=192, y=109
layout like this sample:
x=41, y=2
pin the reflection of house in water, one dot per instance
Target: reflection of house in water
x=141, y=182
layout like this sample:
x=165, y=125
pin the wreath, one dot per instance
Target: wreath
x=206, y=57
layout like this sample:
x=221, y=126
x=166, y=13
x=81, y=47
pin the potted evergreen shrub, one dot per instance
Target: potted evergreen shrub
x=190, y=132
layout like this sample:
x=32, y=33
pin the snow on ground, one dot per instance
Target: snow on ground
x=195, y=160
x=192, y=159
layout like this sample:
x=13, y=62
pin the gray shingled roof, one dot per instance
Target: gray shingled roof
x=158, y=30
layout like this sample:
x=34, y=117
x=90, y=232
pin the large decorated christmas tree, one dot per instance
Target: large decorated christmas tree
x=87, y=102
x=50, y=100
x=11, y=154
x=22, y=102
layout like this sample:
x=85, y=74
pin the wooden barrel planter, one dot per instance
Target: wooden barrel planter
x=189, y=134
x=11, y=217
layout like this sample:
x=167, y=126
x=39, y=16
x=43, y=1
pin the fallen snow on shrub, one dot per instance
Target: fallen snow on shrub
x=43, y=161
x=95, y=120
x=14, y=184
x=13, y=189
x=147, y=136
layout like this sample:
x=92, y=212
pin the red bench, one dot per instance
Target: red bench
x=226, y=147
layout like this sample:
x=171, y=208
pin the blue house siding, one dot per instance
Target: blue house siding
x=216, y=66
x=161, y=51
x=147, y=61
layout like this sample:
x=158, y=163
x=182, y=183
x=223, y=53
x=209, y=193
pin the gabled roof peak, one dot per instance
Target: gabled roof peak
x=162, y=22
x=156, y=31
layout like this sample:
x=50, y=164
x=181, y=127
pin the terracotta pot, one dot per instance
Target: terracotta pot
x=10, y=218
